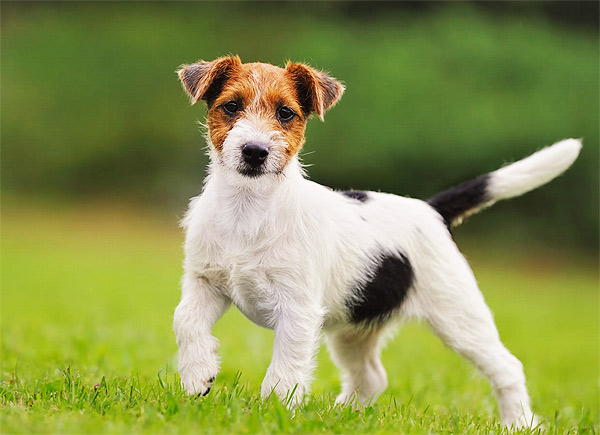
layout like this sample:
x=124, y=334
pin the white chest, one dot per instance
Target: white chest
x=255, y=274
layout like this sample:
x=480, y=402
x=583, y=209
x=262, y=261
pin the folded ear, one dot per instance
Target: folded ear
x=317, y=92
x=204, y=80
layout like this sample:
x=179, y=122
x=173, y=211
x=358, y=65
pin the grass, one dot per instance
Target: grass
x=87, y=298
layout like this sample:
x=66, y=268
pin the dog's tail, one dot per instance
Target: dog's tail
x=520, y=177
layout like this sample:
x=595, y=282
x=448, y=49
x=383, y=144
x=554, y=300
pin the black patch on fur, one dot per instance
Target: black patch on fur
x=457, y=200
x=251, y=172
x=385, y=291
x=305, y=97
x=215, y=89
x=356, y=194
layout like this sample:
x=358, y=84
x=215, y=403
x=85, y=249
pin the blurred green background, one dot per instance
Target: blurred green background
x=436, y=93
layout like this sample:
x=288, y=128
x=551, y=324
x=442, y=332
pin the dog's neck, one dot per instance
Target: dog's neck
x=248, y=204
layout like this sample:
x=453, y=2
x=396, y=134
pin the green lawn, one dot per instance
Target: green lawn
x=87, y=346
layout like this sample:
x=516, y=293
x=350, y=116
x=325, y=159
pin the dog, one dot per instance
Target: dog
x=305, y=260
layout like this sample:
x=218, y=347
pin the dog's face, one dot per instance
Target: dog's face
x=257, y=112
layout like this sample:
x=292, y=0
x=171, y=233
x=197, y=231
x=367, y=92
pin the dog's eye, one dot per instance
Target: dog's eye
x=231, y=107
x=285, y=113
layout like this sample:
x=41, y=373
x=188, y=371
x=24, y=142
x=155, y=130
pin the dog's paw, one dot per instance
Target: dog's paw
x=197, y=386
x=354, y=401
x=525, y=420
x=345, y=400
x=290, y=393
x=197, y=376
x=198, y=365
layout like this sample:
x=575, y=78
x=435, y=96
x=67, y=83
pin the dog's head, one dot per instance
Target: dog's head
x=257, y=112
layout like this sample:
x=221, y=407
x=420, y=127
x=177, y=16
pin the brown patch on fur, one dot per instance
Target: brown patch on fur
x=218, y=124
x=316, y=91
x=205, y=80
x=260, y=90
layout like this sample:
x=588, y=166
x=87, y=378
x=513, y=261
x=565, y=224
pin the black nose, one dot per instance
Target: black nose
x=254, y=154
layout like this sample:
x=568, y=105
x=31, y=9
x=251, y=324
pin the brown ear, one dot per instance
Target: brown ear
x=204, y=80
x=317, y=92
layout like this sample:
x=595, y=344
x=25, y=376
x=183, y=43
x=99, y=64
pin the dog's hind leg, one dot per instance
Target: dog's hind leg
x=454, y=307
x=357, y=355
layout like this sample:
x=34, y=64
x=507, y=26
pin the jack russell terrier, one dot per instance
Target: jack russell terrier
x=302, y=259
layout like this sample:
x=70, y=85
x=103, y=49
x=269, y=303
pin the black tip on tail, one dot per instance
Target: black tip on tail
x=457, y=201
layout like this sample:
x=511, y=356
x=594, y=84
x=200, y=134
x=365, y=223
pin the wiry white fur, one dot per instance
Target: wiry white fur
x=288, y=252
x=532, y=172
x=525, y=175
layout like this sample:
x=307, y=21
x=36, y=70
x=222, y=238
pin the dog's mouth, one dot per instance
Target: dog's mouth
x=250, y=172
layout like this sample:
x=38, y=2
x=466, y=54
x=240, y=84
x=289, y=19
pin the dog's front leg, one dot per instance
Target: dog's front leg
x=297, y=334
x=200, y=307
